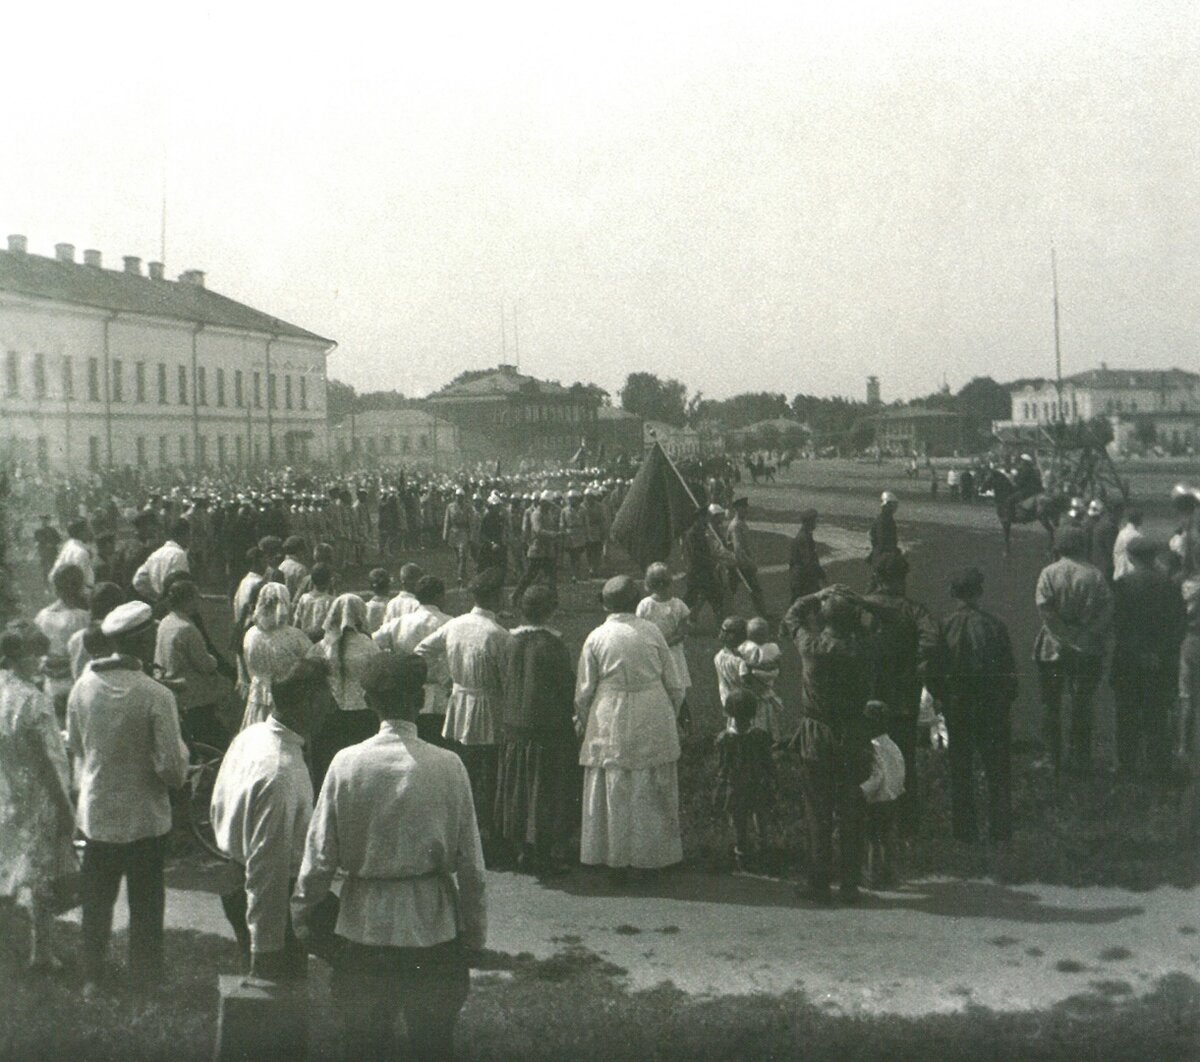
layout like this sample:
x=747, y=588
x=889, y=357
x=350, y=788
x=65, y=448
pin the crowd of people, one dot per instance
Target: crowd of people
x=376, y=739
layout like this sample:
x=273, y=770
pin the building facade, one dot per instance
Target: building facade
x=112, y=368
x=926, y=432
x=412, y=437
x=1163, y=403
x=506, y=416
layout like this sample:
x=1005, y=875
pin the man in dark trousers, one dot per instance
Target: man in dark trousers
x=1148, y=628
x=705, y=556
x=839, y=673
x=908, y=660
x=979, y=685
x=884, y=537
x=805, y=574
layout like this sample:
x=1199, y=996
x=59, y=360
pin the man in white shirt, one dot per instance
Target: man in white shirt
x=75, y=551
x=170, y=557
x=123, y=732
x=404, y=634
x=255, y=566
x=406, y=600
x=1131, y=529
x=261, y=805
x=292, y=567
x=476, y=649
x=396, y=816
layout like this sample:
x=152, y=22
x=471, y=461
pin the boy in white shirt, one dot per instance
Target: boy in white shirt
x=880, y=791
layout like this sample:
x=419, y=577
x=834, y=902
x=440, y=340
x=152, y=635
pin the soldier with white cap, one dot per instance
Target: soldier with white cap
x=544, y=535
x=456, y=531
x=123, y=732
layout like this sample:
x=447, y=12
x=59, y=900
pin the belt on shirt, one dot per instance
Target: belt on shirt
x=428, y=875
x=627, y=688
x=477, y=691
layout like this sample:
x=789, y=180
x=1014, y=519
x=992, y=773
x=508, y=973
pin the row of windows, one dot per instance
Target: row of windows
x=1050, y=410
x=384, y=444
x=294, y=389
x=228, y=451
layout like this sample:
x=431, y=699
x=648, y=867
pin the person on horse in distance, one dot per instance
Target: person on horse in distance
x=1027, y=482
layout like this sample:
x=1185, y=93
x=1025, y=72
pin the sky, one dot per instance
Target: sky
x=783, y=197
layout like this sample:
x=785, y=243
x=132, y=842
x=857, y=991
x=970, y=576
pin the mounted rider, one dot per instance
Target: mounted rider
x=1027, y=482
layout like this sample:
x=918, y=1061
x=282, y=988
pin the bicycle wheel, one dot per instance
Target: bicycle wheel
x=202, y=774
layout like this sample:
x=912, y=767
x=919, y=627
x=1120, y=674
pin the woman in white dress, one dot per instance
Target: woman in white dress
x=270, y=649
x=627, y=694
x=36, y=816
x=346, y=647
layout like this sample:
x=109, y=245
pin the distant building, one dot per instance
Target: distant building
x=677, y=442
x=505, y=415
x=411, y=437
x=873, y=394
x=787, y=433
x=109, y=368
x=616, y=433
x=1168, y=400
x=915, y=430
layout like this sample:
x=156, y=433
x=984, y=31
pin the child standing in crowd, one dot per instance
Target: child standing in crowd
x=745, y=777
x=732, y=671
x=381, y=594
x=880, y=791
x=315, y=603
x=670, y=615
x=762, y=657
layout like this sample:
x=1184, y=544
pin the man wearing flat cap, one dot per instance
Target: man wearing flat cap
x=1076, y=608
x=396, y=817
x=978, y=688
x=123, y=733
x=1148, y=628
x=475, y=648
x=805, y=574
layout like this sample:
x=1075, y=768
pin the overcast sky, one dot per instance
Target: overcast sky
x=783, y=197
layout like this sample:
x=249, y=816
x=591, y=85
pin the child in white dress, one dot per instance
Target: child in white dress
x=733, y=673
x=880, y=790
x=762, y=657
x=670, y=615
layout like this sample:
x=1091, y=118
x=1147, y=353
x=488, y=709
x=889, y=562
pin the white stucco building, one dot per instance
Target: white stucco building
x=1166, y=400
x=109, y=368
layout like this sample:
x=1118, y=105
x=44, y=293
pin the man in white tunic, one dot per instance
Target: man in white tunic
x=75, y=551
x=476, y=649
x=404, y=634
x=262, y=802
x=169, y=558
x=628, y=693
x=395, y=815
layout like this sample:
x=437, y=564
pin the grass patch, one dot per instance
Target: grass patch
x=1116, y=953
x=626, y=930
x=1003, y=941
x=1069, y=966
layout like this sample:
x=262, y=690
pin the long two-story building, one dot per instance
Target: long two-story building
x=108, y=368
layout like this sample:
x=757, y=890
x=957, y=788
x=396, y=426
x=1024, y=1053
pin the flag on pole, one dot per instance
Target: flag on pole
x=657, y=509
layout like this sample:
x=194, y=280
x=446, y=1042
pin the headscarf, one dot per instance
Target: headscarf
x=347, y=615
x=274, y=607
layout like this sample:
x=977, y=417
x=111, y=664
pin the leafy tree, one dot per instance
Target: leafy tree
x=985, y=400
x=645, y=395
x=340, y=399
x=793, y=437
x=371, y=400
x=768, y=437
x=1145, y=432
x=741, y=410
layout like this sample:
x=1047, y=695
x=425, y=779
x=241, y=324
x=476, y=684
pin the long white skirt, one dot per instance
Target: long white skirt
x=631, y=818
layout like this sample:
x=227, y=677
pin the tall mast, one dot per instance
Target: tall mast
x=503, y=337
x=516, y=337
x=1057, y=340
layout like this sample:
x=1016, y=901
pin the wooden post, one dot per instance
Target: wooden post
x=261, y=1021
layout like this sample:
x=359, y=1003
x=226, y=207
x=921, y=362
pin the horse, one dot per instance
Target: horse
x=1044, y=508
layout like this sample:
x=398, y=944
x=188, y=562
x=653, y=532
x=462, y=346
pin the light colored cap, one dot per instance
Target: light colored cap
x=495, y=499
x=715, y=510
x=1095, y=507
x=546, y=496
x=1181, y=490
x=1026, y=457
x=124, y=619
x=887, y=497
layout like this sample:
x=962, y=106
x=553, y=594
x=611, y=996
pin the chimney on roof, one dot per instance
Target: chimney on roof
x=508, y=370
x=1104, y=366
x=156, y=270
x=64, y=252
x=16, y=244
x=133, y=264
x=192, y=276
x=92, y=258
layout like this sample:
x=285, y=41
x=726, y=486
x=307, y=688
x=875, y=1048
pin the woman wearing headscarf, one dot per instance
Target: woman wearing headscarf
x=346, y=647
x=627, y=696
x=269, y=649
x=36, y=816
